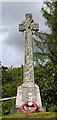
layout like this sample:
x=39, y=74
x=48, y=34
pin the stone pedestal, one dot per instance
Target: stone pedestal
x=15, y=110
x=42, y=109
x=28, y=92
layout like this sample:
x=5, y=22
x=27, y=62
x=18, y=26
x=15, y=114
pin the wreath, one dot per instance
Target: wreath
x=28, y=104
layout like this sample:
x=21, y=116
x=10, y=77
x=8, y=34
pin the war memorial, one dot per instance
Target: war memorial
x=28, y=94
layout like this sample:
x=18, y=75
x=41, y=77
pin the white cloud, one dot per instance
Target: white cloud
x=5, y=35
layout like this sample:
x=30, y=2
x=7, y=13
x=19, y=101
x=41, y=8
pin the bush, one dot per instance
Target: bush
x=6, y=105
x=53, y=108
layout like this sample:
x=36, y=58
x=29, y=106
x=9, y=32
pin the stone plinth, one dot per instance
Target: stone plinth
x=28, y=92
x=15, y=110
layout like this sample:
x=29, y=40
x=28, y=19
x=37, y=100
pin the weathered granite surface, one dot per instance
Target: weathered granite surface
x=28, y=91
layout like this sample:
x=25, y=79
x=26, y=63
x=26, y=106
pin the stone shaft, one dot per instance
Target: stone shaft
x=28, y=59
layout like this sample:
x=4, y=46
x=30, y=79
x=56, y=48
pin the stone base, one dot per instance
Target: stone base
x=42, y=109
x=28, y=91
x=18, y=110
x=15, y=110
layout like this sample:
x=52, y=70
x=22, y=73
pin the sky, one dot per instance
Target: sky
x=13, y=41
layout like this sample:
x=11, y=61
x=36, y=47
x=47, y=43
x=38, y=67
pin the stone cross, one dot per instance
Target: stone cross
x=28, y=91
x=28, y=27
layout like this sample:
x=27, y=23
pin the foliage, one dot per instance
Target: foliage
x=47, y=43
x=44, y=78
x=46, y=74
x=6, y=105
x=53, y=108
x=11, y=79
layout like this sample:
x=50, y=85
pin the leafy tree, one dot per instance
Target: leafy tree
x=47, y=43
x=11, y=79
x=7, y=105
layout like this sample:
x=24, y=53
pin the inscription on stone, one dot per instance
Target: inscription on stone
x=24, y=96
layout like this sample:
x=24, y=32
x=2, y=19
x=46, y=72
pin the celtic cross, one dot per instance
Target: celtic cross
x=28, y=27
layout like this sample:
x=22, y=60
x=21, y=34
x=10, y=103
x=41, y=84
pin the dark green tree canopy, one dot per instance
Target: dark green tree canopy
x=48, y=42
x=47, y=74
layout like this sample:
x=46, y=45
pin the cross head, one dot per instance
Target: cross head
x=29, y=24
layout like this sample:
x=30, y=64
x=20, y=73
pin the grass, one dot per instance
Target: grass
x=42, y=115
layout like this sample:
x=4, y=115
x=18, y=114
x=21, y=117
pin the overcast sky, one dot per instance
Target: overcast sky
x=13, y=41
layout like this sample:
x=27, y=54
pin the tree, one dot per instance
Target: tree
x=11, y=79
x=48, y=50
x=48, y=42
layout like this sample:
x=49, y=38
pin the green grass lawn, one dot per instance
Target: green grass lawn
x=32, y=115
